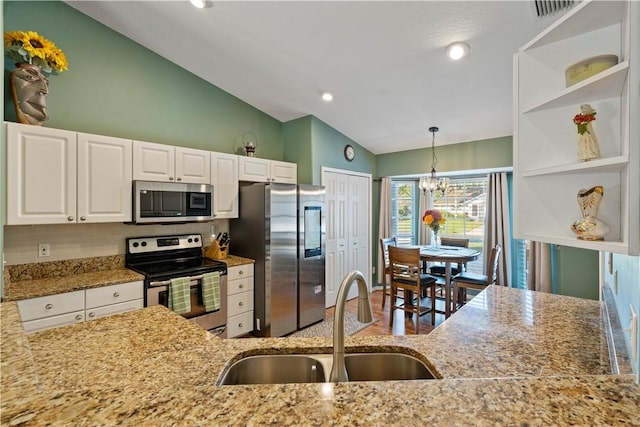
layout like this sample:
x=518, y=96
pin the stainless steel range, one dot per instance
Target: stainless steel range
x=162, y=258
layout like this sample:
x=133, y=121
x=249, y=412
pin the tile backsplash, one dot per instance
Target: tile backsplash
x=72, y=241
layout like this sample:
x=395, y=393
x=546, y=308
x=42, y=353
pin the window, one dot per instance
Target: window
x=463, y=205
x=403, y=201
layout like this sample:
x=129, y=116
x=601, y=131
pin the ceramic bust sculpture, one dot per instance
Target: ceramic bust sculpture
x=590, y=227
x=29, y=88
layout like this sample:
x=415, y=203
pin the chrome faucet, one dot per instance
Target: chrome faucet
x=338, y=370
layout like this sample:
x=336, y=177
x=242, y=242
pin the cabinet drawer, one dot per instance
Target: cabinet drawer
x=54, y=321
x=240, y=324
x=239, y=285
x=114, y=294
x=108, y=310
x=239, y=272
x=239, y=303
x=51, y=305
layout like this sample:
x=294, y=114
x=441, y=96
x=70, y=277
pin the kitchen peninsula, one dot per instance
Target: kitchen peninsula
x=509, y=357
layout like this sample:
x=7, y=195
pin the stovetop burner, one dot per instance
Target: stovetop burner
x=163, y=257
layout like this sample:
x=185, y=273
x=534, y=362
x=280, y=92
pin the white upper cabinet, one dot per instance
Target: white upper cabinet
x=104, y=178
x=547, y=172
x=166, y=163
x=224, y=178
x=56, y=176
x=264, y=170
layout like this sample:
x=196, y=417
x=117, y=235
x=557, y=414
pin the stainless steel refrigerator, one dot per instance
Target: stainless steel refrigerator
x=311, y=262
x=267, y=231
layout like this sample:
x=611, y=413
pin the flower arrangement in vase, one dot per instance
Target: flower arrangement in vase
x=33, y=55
x=434, y=219
x=587, y=143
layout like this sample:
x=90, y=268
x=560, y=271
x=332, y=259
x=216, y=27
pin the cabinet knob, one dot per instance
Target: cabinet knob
x=92, y=314
x=48, y=306
x=78, y=316
x=116, y=294
x=240, y=325
x=83, y=218
x=70, y=218
x=170, y=178
x=179, y=179
x=241, y=286
x=240, y=304
x=240, y=272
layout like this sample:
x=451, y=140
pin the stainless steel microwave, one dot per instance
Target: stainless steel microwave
x=163, y=202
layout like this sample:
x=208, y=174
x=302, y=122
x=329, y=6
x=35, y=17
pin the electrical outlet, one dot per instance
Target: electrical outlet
x=44, y=249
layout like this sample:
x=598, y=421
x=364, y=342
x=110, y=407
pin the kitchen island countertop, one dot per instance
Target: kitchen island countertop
x=509, y=357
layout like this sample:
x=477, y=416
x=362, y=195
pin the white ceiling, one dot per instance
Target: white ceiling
x=384, y=61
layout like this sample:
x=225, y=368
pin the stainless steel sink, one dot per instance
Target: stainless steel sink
x=274, y=369
x=385, y=367
x=315, y=368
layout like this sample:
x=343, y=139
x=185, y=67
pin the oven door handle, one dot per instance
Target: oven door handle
x=168, y=282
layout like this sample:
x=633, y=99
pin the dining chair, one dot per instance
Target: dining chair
x=439, y=268
x=384, y=248
x=406, y=274
x=467, y=280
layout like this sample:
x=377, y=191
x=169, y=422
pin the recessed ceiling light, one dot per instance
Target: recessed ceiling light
x=201, y=4
x=457, y=51
x=328, y=97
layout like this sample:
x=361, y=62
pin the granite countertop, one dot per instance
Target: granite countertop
x=49, y=278
x=509, y=357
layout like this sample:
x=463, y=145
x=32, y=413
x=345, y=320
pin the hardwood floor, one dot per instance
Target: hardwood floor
x=381, y=326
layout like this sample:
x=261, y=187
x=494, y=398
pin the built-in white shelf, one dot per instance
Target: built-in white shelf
x=609, y=164
x=601, y=245
x=606, y=84
x=584, y=17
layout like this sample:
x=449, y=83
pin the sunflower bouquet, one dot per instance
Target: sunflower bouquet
x=30, y=47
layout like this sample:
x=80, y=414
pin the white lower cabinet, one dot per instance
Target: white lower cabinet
x=108, y=300
x=52, y=311
x=239, y=300
x=68, y=308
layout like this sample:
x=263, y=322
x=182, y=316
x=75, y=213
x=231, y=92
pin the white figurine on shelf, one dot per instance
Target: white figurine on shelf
x=587, y=143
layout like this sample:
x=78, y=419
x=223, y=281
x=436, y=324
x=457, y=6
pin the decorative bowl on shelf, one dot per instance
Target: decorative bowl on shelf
x=589, y=67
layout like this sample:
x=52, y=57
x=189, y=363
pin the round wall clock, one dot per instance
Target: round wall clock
x=349, y=153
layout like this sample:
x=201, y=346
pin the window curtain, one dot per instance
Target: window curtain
x=385, y=226
x=539, y=267
x=496, y=226
x=426, y=202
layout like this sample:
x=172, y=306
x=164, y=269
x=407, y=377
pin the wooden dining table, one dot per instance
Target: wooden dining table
x=447, y=255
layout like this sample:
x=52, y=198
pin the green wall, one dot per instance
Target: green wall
x=575, y=272
x=297, y=147
x=483, y=154
x=116, y=87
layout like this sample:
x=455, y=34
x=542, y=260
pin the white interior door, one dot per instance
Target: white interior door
x=348, y=219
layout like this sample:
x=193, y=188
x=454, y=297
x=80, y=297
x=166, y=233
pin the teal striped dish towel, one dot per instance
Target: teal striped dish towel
x=211, y=291
x=180, y=295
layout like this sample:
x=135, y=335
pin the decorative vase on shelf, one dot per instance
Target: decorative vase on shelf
x=590, y=227
x=587, y=142
x=29, y=90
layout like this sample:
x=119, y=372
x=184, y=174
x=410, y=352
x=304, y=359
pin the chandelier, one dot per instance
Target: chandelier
x=431, y=183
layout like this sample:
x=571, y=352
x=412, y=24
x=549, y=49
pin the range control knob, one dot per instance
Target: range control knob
x=135, y=244
x=143, y=244
x=196, y=240
x=189, y=240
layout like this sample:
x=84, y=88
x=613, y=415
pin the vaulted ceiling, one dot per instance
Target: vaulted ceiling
x=384, y=61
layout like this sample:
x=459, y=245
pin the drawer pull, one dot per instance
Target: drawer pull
x=92, y=314
x=116, y=294
x=241, y=286
x=240, y=325
x=241, y=272
x=79, y=317
x=48, y=306
x=240, y=304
